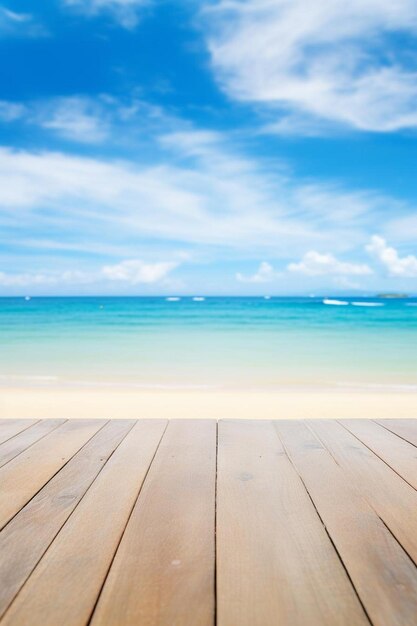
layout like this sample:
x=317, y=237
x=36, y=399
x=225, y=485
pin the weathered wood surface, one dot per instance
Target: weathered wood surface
x=270, y=540
x=171, y=533
x=199, y=523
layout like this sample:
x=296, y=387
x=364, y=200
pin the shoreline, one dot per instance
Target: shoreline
x=115, y=402
x=59, y=383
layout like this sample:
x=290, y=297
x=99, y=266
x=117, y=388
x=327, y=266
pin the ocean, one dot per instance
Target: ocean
x=212, y=342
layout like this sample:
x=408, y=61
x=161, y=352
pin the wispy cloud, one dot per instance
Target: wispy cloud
x=218, y=199
x=334, y=61
x=137, y=272
x=10, y=111
x=126, y=12
x=403, y=227
x=200, y=194
x=131, y=272
x=84, y=119
x=264, y=274
x=26, y=279
x=395, y=265
x=77, y=119
x=315, y=264
x=198, y=191
x=16, y=24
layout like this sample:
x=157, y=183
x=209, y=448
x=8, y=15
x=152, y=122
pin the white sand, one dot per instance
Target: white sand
x=130, y=403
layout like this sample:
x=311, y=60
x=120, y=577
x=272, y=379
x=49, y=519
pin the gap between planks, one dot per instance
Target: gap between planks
x=237, y=480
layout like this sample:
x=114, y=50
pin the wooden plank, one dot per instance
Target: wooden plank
x=393, y=499
x=25, y=475
x=20, y=442
x=275, y=561
x=10, y=428
x=397, y=453
x=383, y=574
x=26, y=538
x=66, y=583
x=163, y=572
x=404, y=428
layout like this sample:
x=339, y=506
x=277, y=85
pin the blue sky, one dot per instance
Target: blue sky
x=218, y=146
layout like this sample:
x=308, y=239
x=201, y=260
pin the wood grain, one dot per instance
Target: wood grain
x=394, y=500
x=132, y=523
x=405, y=428
x=275, y=561
x=400, y=455
x=384, y=576
x=163, y=572
x=23, y=440
x=26, y=538
x=66, y=583
x=10, y=428
x=25, y=475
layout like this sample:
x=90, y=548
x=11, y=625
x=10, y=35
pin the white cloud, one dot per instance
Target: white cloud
x=296, y=124
x=315, y=264
x=218, y=199
x=84, y=119
x=200, y=195
x=14, y=24
x=136, y=271
x=10, y=111
x=197, y=143
x=26, y=279
x=265, y=274
x=133, y=272
x=125, y=12
x=74, y=118
x=35, y=279
x=333, y=60
x=390, y=259
x=18, y=18
x=403, y=227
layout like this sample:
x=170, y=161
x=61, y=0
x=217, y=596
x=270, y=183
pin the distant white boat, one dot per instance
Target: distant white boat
x=335, y=302
x=198, y=299
x=367, y=303
x=27, y=298
x=267, y=297
x=172, y=299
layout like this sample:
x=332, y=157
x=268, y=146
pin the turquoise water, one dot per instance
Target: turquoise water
x=220, y=342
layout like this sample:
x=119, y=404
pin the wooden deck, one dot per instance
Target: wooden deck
x=196, y=523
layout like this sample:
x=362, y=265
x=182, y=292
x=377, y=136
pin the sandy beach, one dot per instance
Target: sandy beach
x=59, y=402
x=222, y=358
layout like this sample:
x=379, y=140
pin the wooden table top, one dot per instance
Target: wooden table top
x=199, y=522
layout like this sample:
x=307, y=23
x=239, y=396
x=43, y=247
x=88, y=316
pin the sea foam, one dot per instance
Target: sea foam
x=335, y=302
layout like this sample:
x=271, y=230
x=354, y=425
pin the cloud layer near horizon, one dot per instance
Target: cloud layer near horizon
x=199, y=191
